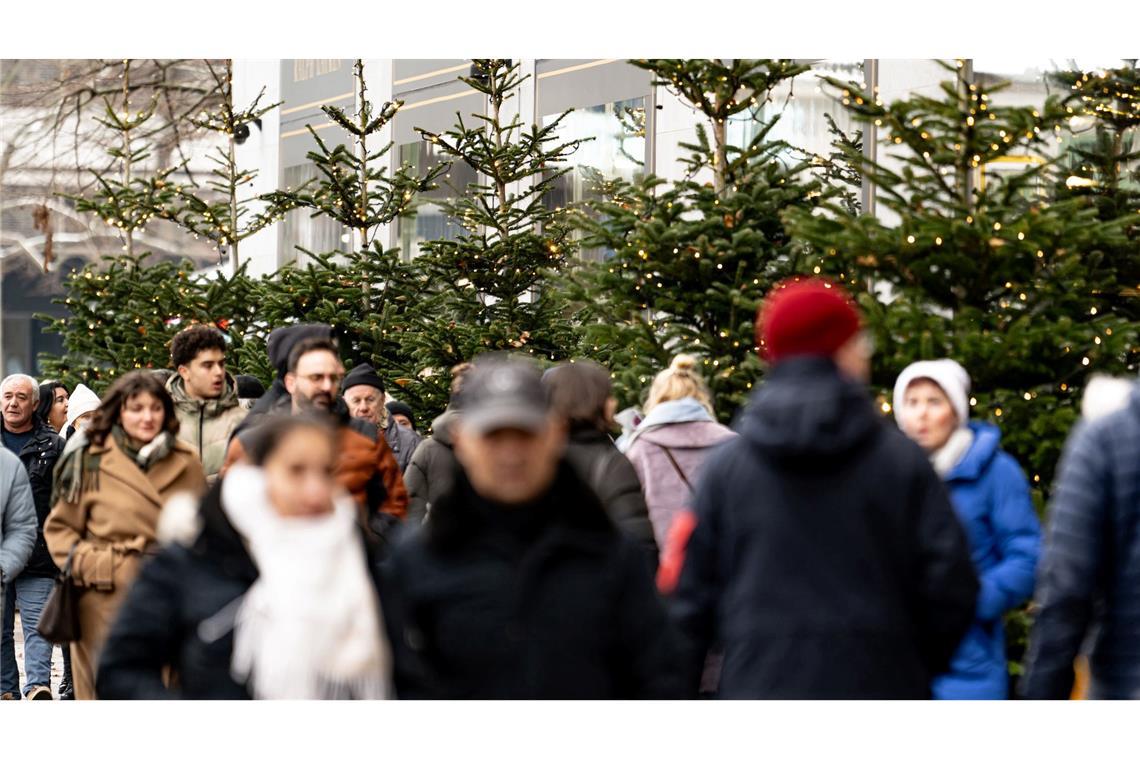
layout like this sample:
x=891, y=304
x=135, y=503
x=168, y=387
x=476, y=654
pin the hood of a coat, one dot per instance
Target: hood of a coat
x=215, y=407
x=698, y=434
x=441, y=427
x=806, y=410
x=983, y=449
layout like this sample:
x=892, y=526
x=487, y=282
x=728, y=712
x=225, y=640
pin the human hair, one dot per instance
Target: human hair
x=263, y=440
x=123, y=390
x=680, y=380
x=578, y=393
x=193, y=340
x=458, y=372
x=27, y=379
x=46, y=392
x=308, y=346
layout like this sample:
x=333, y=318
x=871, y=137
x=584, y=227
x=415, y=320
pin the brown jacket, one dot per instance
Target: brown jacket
x=360, y=461
x=111, y=527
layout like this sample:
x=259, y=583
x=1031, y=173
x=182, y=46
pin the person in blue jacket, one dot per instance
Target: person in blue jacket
x=991, y=496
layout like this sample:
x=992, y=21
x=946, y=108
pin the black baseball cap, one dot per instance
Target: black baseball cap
x=504, y=391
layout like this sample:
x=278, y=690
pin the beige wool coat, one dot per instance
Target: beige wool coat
x=112, y=527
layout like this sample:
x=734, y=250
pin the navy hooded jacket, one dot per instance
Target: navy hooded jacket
x=826, y=561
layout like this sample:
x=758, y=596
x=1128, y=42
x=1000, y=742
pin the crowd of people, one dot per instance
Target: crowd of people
x=221, y=540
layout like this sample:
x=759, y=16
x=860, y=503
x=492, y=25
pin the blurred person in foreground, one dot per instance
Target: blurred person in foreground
x=581, y=393
x=825, y=558
x=110, y=487
x=519, y=586
x=18, y=531
x=269, y=593
x=24, y=433
x=1088, y=584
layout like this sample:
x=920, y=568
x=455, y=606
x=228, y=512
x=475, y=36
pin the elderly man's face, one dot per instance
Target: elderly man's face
x=365, y=402
x=19, y=403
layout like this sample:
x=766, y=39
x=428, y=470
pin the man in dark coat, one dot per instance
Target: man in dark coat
x=39, y=448
x=1089, y=577
x=826, y=560
x=519, y=586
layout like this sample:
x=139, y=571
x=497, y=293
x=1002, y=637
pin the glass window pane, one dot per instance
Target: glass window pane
x=617, y=151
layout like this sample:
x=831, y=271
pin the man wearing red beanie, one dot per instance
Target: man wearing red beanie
x=826, y=559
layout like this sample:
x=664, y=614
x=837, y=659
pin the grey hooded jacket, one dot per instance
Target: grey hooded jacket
x=17, y=516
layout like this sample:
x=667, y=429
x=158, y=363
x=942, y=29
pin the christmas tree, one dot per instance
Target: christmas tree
x=692, y=259
x=125, y=309
x=492, y=287
x=983, y=267
x=1102, y=162
x=223, y=212
x=366, y=293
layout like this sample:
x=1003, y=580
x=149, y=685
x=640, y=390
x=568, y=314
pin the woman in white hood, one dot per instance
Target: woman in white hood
x=991, y=497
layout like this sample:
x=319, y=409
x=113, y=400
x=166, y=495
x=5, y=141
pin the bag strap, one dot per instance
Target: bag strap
x=677, y=467
x=65, y=571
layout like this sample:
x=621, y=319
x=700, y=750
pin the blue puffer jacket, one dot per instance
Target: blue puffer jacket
x=991, y=496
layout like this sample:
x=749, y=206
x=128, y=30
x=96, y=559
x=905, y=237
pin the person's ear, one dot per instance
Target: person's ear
x=611, y=410
x=290, y=382
x=184, y=372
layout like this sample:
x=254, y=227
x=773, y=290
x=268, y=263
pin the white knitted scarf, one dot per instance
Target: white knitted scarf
x=310, y=625
x=946, y=458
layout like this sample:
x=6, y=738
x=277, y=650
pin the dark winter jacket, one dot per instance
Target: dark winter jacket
x=826, y=559
x=991, y=496
x=606, y=470
x=429, y=472
x=180, y=615
x=1088, y=584
x=39, y=456
x=544, y=601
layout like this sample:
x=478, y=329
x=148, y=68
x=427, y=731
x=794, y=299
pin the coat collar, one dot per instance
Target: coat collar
x=982, y=451
x=151, y=484
x=213, y=408
x=43, y=438
x=575, y=516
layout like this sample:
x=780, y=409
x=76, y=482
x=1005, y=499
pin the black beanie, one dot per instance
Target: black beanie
x=249, y=386
x=283, y=339
x=399, y=407
x=362, y=374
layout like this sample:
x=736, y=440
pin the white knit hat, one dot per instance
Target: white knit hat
x=950, y=376
x=81, y=401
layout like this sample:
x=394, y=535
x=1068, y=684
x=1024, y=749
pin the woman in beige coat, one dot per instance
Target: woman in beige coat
x=111, y=483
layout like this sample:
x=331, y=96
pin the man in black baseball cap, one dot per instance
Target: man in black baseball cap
x=519, y=586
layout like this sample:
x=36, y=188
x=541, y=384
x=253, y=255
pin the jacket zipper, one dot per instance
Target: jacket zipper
x=201, y=425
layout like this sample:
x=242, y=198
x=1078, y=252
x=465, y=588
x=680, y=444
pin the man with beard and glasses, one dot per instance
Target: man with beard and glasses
x=365, y=466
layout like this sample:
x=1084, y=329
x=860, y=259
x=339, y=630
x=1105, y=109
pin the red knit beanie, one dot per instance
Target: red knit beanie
x=805, y=317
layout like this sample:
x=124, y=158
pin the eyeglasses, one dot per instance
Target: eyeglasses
x=333, y=378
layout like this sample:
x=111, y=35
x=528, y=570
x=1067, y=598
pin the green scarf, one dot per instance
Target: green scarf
x=155, y=451
x=78, y=468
